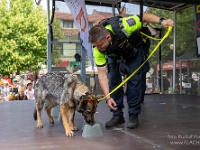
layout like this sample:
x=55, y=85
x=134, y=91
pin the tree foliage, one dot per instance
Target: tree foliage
x=57, y=35
x=22, y=36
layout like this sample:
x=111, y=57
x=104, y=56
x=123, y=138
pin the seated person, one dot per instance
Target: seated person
x=13, y=89
x=21, y=95
x=29, y=92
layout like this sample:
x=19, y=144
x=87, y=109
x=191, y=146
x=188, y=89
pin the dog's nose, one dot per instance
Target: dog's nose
x=91, y=123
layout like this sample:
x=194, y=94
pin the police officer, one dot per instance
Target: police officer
x=118, y=50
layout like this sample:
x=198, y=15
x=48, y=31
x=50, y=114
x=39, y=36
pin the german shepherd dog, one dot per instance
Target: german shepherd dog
x=70, y=93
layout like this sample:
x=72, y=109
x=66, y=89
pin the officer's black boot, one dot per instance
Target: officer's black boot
x=133, y=121
x=115, y=121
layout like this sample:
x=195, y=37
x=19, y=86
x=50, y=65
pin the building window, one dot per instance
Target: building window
x=67, y=24
x=90, y=25
x=59, y=47
x=74, y=26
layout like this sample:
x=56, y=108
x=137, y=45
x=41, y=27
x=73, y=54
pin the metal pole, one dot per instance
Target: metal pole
x=174, y=56
x=180, y=76
x=113, y=10
x=83, y=72
x=160, y=62
x=83, y=66
x=48, y=38
x=161, y=77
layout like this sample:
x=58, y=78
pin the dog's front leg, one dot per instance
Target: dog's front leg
x=39, y=120
x=65, y=119
x=71, y=114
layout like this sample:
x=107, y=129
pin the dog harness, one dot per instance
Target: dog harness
x=84, y=95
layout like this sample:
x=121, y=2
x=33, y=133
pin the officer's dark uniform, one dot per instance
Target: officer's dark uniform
x=145, y=68
x=124, y=56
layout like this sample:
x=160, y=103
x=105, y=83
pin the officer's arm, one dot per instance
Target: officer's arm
x=103, y=79
x=151, y=18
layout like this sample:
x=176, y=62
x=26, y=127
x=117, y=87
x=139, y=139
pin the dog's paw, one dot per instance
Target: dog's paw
x=39, y=126
x=51, y=121
x=74, y=128
x=70, y=134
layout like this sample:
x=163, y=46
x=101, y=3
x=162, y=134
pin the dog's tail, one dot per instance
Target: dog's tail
x=35, y=114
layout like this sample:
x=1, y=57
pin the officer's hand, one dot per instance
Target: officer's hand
x=111, y=104
x=168, y=22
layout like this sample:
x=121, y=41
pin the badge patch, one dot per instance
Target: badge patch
x=131, y=22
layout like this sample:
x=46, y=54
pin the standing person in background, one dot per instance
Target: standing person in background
x=20, y=80
x=118, y=48
x=5, y=90
x=1, y=87
x=150, y=31
x=30, y=76
x=40, y=73
x=166, y=83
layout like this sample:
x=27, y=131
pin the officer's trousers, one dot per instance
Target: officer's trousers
x=133, y=91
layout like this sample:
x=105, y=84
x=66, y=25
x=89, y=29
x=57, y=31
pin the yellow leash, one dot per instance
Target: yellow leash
x=150, y=37
x=153, y=51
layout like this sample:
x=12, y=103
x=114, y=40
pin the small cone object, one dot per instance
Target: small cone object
x=92, y=131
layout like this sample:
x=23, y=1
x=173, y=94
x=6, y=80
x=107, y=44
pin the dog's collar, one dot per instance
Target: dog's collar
x=84, y=95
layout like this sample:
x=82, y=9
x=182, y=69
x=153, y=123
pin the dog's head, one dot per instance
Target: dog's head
x=87, y=107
